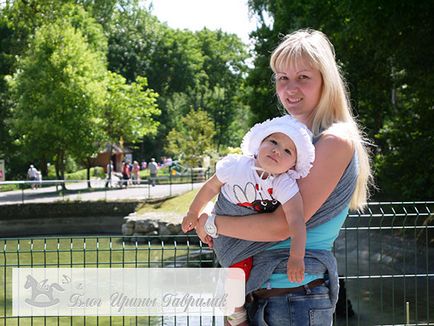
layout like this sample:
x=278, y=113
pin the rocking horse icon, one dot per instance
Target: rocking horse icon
x=41, y=289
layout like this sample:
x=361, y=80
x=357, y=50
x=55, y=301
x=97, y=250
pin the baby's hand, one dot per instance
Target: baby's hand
x=295, y=269
x=189, y=222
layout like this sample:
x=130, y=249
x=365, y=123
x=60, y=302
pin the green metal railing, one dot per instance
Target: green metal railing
x=99, y=251
x=385, y=258
x=78, y=190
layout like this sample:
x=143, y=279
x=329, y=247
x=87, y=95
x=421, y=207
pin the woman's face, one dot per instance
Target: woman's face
x=299, y=89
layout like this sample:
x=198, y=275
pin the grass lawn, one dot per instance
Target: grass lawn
x=11, y=187
x=178, y=204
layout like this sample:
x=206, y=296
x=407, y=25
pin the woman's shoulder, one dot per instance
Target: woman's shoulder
x=339, y=136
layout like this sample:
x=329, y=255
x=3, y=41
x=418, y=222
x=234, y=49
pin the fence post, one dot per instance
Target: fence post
x=170, y=181
x=149, y=188
x=22, y=192
x=407, y=313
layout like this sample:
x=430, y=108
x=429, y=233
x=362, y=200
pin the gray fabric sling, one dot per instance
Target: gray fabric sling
x=230, y=250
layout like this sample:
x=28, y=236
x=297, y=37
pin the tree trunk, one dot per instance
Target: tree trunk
x=62, y=169
x=109, y=168
x=88, y=174
x=57, y=168
x=43, y=167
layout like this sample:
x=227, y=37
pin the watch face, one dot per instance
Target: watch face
x=210, y=228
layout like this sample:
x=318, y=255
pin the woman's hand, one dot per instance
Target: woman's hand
x=200, y=230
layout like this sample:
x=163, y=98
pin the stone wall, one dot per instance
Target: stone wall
x=74, y=218
x=151, y=224
x=86, y=218
x=155, y=227
x=66, y=209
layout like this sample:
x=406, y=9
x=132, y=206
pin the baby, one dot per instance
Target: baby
x=275, y=154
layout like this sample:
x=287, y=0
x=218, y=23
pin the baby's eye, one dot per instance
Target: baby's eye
x=273, y=141
x=287, y=151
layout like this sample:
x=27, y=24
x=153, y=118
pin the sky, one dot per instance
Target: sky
x=230, y=16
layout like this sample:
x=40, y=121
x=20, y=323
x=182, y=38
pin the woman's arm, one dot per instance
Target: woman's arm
x=333, y=153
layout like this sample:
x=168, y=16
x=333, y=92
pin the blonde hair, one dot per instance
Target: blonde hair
x=334, y=107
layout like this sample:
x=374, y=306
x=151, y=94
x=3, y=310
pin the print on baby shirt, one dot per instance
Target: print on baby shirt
x=252, y=197
x=244, y=186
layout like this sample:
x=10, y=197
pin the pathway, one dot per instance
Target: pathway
x=79, y=191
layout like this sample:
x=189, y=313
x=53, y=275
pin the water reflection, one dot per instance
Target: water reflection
x=384, y=270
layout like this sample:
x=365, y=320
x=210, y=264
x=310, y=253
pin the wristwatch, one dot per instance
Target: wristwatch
x=210, y=227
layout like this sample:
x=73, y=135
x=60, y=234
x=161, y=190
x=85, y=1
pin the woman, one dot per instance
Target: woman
x=311, y=88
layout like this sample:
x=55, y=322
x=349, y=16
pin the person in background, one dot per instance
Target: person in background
x=126, y=174
x=153, y=170
x=32, y=175
x=109, y=173
x=135, y=173
x=39, y=179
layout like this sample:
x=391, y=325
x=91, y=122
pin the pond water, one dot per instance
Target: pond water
x=382, y=271
x=390, y=277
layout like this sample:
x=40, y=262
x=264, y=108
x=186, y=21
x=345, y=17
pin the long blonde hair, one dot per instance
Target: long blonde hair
x=334, y=105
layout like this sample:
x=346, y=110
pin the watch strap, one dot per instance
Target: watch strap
x=210, y=227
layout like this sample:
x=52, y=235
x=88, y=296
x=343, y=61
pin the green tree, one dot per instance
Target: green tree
x=215, y=80
x=383, y=48
x=6, y=60
x=139, y=45
x=224, y=58
x=191, y=140
x=396, y=102
x=133, y=36
x=58, y=90
x=18, y=22
x=206, y=69
x=129, y=109
x=225, y=67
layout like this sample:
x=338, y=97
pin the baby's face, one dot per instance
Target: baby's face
x=277, y=154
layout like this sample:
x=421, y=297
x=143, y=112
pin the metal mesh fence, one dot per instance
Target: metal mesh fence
x=104, y=252
x=385, y=260
x=21, y=192
x=385, y=256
